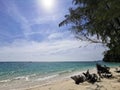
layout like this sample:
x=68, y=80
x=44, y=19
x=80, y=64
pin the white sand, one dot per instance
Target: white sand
x=68, y=84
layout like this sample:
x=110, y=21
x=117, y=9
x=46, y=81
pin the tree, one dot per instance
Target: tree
x=99, y=19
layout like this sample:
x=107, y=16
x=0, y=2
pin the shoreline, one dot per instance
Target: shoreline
x=58, y=80
x=26, y=85
x=45, y=82
x=68, y=83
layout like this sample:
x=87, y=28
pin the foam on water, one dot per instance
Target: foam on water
x=5, y=81
x=47, y=77
x=22, y=77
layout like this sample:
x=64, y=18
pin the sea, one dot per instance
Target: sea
x=18, y=75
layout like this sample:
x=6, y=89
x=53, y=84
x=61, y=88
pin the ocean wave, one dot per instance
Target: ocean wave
x=16, y=78
x=36, y=77
x=26, y=78
x=32, y=75
x=66, y=71
x=47, y=77
x=55, y=75
x=4, y=81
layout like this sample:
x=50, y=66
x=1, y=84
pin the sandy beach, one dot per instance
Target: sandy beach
x=69, y=84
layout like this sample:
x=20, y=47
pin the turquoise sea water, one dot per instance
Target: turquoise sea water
x=40, y=71
x=17, y=69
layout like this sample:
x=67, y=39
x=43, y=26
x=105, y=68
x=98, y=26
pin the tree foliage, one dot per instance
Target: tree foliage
x=96, y=18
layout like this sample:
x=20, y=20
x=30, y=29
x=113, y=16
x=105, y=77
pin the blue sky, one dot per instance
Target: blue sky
x=29, y=32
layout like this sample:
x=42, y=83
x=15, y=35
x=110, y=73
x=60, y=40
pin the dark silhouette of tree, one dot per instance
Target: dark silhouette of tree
x=99, y=19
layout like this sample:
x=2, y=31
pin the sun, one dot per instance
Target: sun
x=47, y=4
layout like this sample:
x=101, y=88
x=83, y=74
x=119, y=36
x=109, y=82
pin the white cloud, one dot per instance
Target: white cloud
x=61, y=50
x=55, y=35
x=42, y=48
x=51, y=49
x=60, y=35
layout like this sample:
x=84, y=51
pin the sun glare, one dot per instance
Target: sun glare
x=47, y=4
